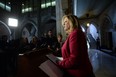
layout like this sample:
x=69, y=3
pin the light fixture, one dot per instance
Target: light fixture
x=88, y=24
x=12, y=22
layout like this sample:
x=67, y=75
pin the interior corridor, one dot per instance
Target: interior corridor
x=104, y=64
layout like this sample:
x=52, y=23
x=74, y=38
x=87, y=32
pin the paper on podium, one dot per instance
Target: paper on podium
x=51, y=69
x=53, y=58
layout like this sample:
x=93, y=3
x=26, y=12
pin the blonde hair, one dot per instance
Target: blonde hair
x=74, y=22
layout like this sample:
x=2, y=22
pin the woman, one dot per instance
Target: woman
x=74, y=50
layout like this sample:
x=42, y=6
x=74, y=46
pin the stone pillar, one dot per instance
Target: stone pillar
x=39, y=19
x=61, y=6
x=75, y=7
x=16, y=7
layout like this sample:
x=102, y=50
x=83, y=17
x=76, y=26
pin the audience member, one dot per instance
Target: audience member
x=35, y=43
x=51, y=40
x=58, y=45
x=24, y=45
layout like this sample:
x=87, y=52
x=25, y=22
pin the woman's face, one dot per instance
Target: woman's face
x=66, y=24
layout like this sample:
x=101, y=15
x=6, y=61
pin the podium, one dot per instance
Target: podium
x=29, y=62
x=51, y=69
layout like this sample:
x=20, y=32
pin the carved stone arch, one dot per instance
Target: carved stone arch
x=106, y=32
x=96, y=25
x=49, y=23
x=91, y=32
x=29, y=29
x=84, y=25
x=29, y=21
x=106, y=23
x=4, y=29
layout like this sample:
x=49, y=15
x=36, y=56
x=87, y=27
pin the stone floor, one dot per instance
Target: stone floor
x=104, y=64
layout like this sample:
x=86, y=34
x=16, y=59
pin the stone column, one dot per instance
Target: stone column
x=61, y=6
x=75, y=7
x=15, y=13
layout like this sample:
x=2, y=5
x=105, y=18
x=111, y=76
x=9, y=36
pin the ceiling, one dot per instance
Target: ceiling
x=85, y=8
x=92, y=8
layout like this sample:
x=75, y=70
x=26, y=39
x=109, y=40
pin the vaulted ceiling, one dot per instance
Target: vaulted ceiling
x=92, y=8
x=85, y=8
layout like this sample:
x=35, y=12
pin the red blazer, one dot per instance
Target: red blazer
x=75, y=55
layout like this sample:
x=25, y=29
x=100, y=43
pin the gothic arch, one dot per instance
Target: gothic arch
x=49, y=23
x=91, y=32
x=4, y=29
x=106, y=32
x=29, y=29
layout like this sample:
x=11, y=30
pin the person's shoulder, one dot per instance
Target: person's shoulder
x=73, y=33
x=79, y=31
x=76, y=31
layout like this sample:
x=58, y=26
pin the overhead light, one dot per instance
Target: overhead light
x=12, y=22
x=23, y=4
x=9, y=3
x=88, y=24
